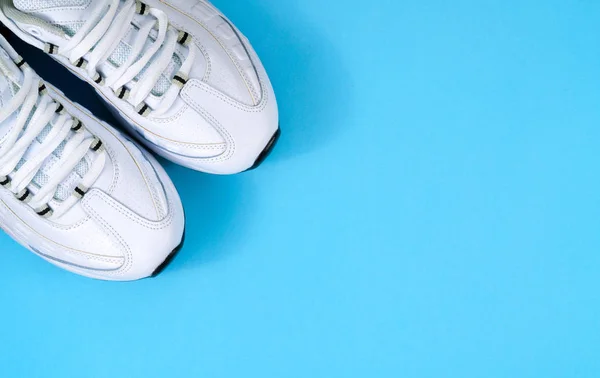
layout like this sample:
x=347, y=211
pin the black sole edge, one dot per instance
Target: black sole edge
x=267, y=151
x=169, y=258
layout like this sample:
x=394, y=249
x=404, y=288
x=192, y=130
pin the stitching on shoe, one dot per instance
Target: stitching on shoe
x=160, y=225
x=228, y=100
x=230, y=54
x=128, y=261
x=229, y=152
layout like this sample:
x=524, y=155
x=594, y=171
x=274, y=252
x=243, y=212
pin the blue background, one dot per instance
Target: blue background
x=431, y=211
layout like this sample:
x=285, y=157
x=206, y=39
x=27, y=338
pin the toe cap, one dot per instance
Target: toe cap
x=144, y=241
x=143, y=244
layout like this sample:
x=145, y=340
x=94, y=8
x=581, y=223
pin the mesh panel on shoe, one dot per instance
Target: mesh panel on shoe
x=118, y=57
x=44, y=133
x=36, y=5
x=71, y=28
x=65, y=189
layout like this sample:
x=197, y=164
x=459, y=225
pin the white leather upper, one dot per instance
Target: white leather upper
x=126, y=225
x=225, y=114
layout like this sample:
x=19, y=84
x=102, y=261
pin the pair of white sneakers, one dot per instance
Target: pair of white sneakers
x=179, y=76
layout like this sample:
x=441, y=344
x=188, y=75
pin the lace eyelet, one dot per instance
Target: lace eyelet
x=180, y=79
x=5, y=181
x=184, y=38
x=77, y=125
x=80, y=191
x=98, y=79
x=24, y=195
x=45, y=211
x=20, y=62
x=50, y=48
x=42, y=89
x=122, y=93
x=81, y=63
x=97, y=145
x=61, y=108
x=141, y=8
x=143, y=109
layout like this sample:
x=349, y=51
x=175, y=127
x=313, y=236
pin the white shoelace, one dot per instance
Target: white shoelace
x=26, y=129
x=100, y=36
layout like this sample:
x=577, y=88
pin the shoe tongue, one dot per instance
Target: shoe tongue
x=11, y=80
x=68, y=15
x=71, y=15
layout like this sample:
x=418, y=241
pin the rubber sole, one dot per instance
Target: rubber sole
x=169, y=258
x=267, y=151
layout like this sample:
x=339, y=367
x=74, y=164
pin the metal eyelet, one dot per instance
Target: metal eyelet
x=143, y=109
x=24, y=195
x=180, y=79
x=184, y=38
x=98, y=79
x=80, y=191
x=141, y=8
x=50, y=48
x=97, y=145
x=5, y=181
x=45, y=211
x=42, y=89
x=122, y=93
x=20, y=62
x=81, y=63
x=77, y=125
x=60, y=109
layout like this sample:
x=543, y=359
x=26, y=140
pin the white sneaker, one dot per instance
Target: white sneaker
x=177, y=72
x=75, y=191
